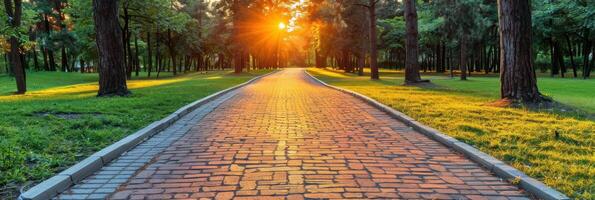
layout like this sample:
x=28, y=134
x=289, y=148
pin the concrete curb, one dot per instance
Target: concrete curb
x=498, y=167
x=62, y=181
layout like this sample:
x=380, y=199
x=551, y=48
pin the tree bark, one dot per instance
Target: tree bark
x=112, y=72
x=149, y=54
x=518, y=82
x=15, y=13
x=586, y=51
x=411, y=64
x=361, y=61
x=33, y=37
x=46, y=65
x=571, y=53
x=6, y=63
x=64, y=59
x=555, y=69
x=60, y=21
x=373, y=46
x=50, y=52
x=126, y=41
x=172, y=51
x=136, y=56
x=82, y=66
x=560, y=58
x=158, y=58
x=463, y=61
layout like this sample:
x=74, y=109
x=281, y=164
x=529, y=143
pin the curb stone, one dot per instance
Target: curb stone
x=62, y=181
x=498, y=167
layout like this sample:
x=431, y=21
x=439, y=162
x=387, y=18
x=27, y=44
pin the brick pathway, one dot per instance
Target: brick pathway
x=287, y=137
x=105, y=182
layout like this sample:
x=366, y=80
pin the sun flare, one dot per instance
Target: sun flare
x=282, y=26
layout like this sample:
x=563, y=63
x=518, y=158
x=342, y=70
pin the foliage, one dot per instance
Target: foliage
x=392, y=33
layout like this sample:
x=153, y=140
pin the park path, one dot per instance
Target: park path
x=288, y=137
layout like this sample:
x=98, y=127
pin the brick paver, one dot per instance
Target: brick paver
x=287, y=137
x=105, y=182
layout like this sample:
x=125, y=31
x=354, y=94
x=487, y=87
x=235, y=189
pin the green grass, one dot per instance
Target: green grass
x=523, y=138
x=577, y=93
x=60, y=121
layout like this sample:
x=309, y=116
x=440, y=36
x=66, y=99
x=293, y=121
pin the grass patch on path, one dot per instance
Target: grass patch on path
x=60, y=121
x=522, y=138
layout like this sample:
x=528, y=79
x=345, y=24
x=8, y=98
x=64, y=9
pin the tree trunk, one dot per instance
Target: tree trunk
x=130, y=62
x=238, y=61
x=126, y=41
x=52, y=59
x=45, y=58
x=586, y=51
x=361, y=61
x=112, y=72
x=463, y=60
x=560, y=57
x=411, y=65
x=64, y=59
x=60, y=22
x=82, y=66
x=592, y=65
x=14, y=58
x=571, y=53
x=158, y=58
x=518, y=82
x=33, y=37
x=149, y=54
x=136, y=56
x=6, y=63
x=172, y=51
x=555, y=69
x=373, y=46
x=50, y=52
x=441, y=60
x=439, y=56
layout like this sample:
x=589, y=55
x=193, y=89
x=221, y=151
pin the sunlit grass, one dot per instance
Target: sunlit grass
x=61, y=122
x=87, y=89
x=525, y=139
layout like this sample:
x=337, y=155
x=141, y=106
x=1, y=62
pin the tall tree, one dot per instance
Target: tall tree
x=411, y=64
x=14, y=11
x=371, y=6
x=112, y=72
x=373, y=44
x=518, y=82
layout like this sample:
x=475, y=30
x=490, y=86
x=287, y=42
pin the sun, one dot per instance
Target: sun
x=282, y=26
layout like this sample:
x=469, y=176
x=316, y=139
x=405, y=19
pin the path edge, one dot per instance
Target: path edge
x=78, y=172
x=498, y=167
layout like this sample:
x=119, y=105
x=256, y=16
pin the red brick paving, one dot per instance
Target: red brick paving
x=286, y=137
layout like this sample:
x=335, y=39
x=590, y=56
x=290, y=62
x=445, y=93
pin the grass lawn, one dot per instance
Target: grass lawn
x=525, y=139
x=60, y=121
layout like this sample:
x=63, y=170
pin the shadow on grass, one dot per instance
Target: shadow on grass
x=88, y=89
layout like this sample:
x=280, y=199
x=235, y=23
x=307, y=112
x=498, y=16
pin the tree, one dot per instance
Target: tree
x=373, y=44
x=411, y=64
x=112, y=72
x=356, y=20
x=14, y=11
x=518, y=82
